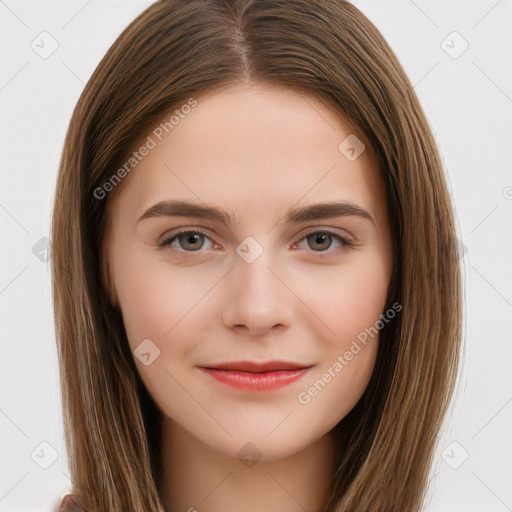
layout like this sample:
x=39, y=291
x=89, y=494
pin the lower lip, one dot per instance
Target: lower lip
x=255, y=382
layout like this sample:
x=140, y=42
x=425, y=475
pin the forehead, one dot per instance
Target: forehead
x=255, y=148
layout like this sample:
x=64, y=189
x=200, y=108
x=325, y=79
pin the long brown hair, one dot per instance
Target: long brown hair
x=179, y=49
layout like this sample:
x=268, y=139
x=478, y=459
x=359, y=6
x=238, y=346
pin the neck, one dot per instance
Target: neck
x=198, y=478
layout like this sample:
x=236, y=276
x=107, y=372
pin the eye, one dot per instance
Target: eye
x=188, y=241
x=319, y=241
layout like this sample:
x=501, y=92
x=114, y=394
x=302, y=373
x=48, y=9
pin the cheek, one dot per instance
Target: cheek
x=156, y=300
x=350, y=305
x=162, y=304
x=335, y=389
x=348, y=299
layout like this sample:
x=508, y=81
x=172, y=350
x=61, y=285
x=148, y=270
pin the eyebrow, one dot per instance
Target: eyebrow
x=176, y=208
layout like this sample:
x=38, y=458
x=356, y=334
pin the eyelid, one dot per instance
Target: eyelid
x=205, y=231
x=182, y=231
x=331, y=231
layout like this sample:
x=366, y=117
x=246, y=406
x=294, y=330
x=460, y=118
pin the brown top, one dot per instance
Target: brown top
x=69, y=503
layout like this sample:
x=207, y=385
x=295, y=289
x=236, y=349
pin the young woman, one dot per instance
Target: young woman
x=256, y=282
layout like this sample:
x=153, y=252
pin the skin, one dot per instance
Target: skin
x=256, y=151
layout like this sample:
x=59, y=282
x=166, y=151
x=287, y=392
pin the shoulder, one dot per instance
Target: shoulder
x=69, y=503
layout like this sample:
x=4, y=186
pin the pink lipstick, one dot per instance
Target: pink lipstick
x=256, y=377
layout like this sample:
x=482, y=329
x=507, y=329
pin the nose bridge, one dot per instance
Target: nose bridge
x=253, y=272
x=259, y=299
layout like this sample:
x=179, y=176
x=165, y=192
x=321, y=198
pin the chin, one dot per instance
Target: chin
x=259, y=444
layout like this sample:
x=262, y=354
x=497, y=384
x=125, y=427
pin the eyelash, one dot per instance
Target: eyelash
x=346, y=244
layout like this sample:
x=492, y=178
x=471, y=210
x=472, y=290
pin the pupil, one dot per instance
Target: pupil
x=191, y=239
x=321, y=237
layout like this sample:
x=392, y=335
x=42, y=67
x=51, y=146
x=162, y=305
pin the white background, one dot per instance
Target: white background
x=468, y=101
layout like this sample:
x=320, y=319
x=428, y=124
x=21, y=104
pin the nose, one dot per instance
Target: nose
x=257, y=298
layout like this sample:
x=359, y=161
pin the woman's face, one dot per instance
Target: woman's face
x=262, y=276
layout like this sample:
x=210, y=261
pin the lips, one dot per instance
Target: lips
x=254, y=377
x=254, y=367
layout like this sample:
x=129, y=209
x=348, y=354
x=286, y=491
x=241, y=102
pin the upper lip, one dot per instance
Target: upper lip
x=255, y=367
